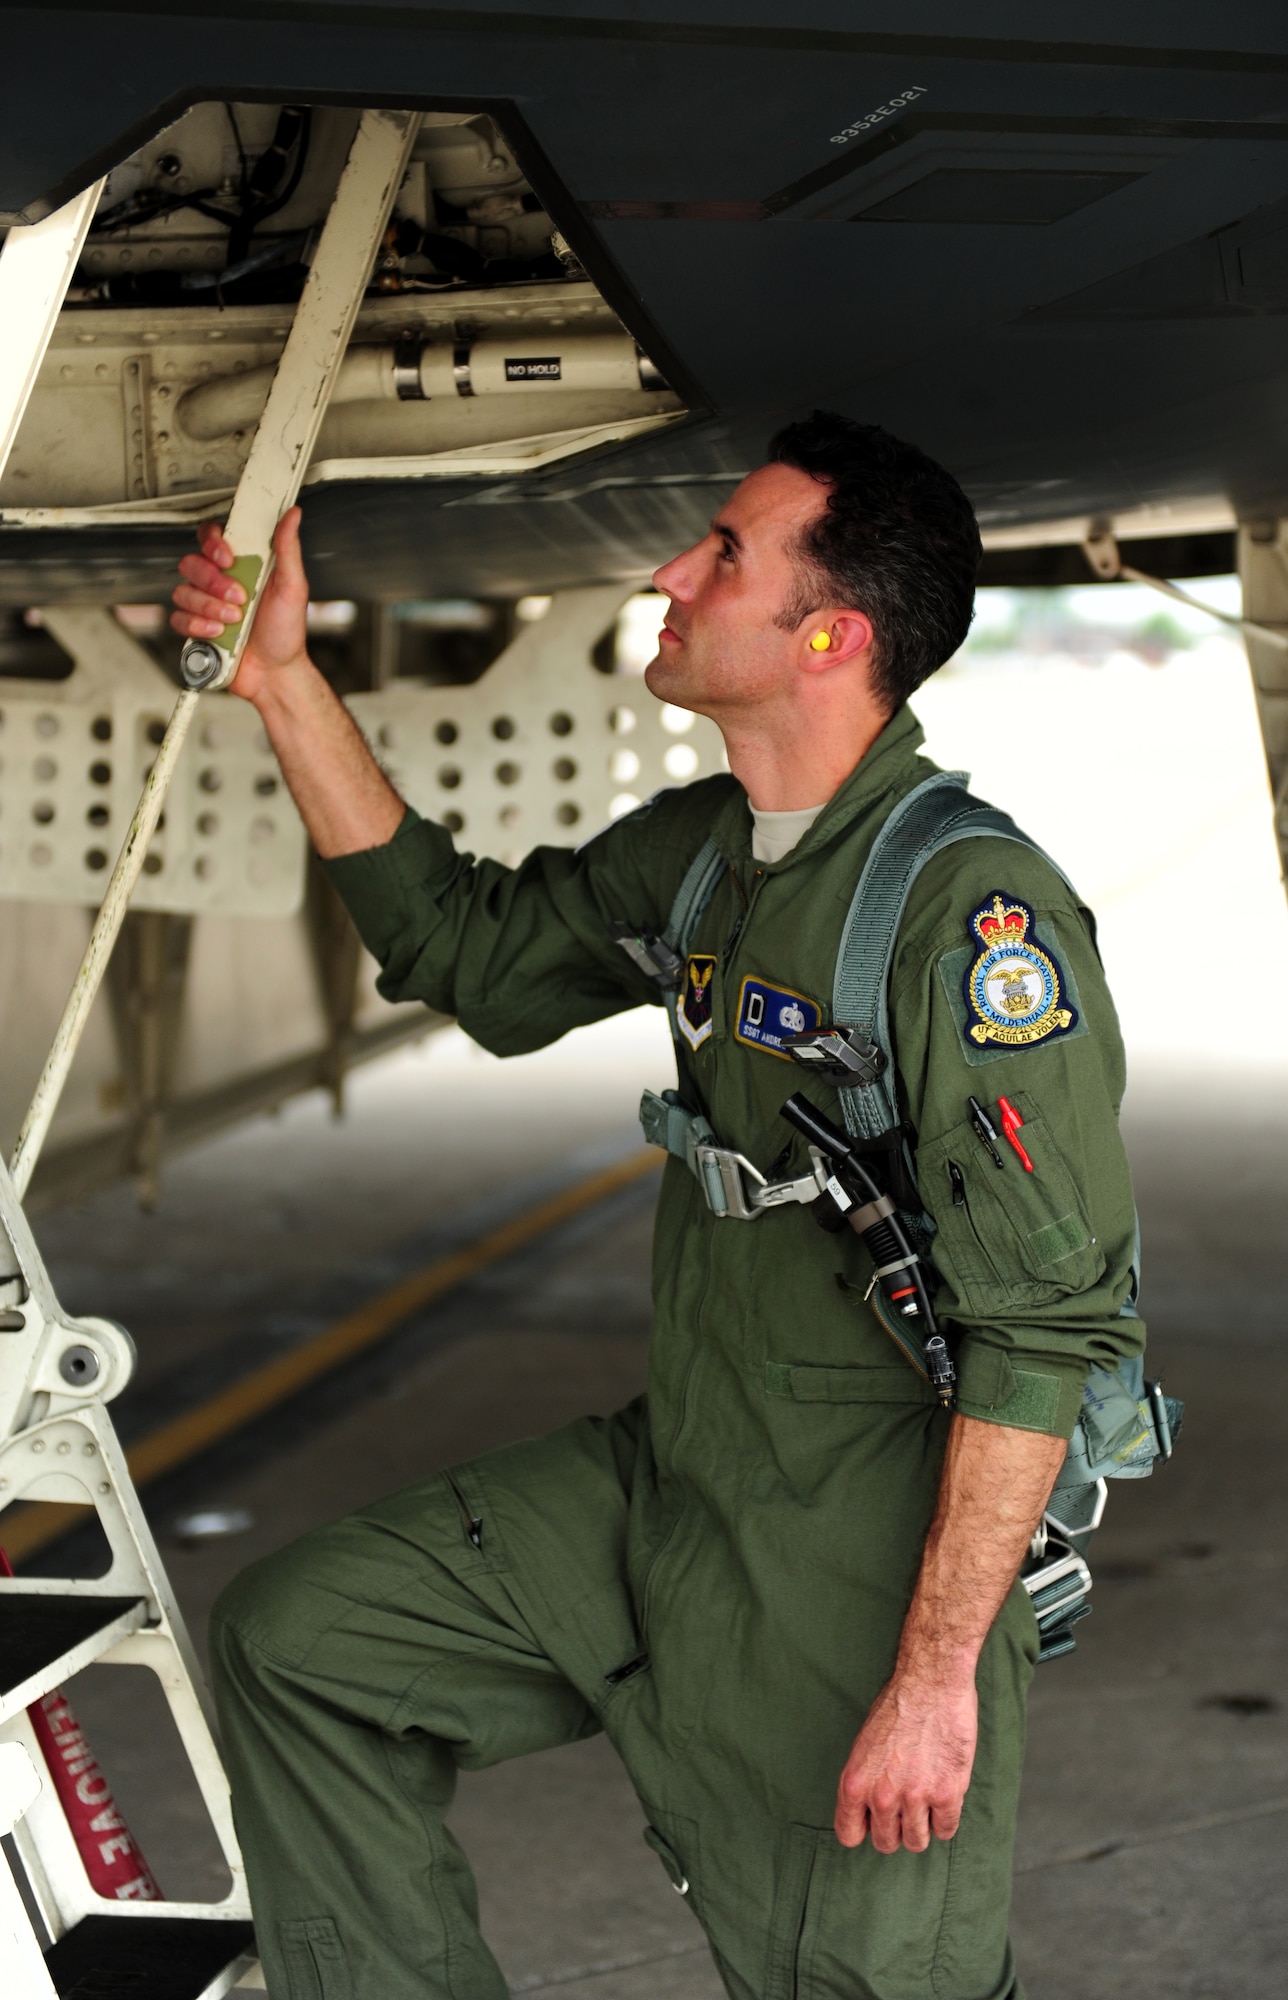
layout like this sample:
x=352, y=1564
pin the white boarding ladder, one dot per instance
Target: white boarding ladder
x=58, y=1938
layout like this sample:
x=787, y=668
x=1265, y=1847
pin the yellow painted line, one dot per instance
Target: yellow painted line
x=264, y=1388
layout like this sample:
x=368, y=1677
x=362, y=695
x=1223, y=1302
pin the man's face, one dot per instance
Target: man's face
x=720, y=649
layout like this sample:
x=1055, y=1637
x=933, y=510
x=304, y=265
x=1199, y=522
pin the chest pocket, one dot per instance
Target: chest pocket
x=1011, y=1238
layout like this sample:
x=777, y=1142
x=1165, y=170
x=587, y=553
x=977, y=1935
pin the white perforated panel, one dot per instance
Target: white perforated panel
x=73, y=756
x=544, y=749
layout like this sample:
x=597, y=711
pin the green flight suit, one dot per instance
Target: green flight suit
x=715, y=1577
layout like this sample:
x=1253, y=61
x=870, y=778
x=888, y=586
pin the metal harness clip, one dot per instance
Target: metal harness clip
x=651, y=955
x=721, y=1171
x=847, y=1057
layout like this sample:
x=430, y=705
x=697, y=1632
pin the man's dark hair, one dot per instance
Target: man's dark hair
x=897, y=540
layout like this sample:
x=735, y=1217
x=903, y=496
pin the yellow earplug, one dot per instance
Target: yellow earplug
x=820, y=642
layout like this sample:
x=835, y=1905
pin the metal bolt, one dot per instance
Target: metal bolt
x=199, y=663
x=63, y=1449
x=79, y=1365
x=90, y=1450
x=38, y=1444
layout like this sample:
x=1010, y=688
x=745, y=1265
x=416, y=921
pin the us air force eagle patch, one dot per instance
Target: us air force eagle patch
x=693, y=1015
x=1014, y=989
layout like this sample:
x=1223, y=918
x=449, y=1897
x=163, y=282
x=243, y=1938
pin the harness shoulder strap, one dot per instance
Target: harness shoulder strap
x=693, y=895
x=691, y=899
x=939, y=812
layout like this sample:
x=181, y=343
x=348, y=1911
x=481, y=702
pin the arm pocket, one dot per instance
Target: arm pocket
x=1011, y=1238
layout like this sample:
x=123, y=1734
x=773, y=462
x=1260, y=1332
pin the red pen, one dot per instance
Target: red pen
x=1011, y=1123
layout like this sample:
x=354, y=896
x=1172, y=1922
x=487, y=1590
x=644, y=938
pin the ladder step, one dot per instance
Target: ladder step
x=145, y=1958
x=44, y=1640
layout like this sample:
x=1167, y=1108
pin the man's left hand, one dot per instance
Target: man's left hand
x=906, y=1777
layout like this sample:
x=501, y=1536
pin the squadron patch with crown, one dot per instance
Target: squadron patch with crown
x=1015, y=990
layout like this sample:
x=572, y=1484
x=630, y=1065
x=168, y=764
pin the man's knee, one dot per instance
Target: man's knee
x=263, y=1612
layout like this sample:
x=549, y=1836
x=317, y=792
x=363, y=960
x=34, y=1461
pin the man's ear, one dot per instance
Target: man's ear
x=830, y=638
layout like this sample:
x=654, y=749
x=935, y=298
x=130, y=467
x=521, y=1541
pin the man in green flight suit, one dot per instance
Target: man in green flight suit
x=785, y=1584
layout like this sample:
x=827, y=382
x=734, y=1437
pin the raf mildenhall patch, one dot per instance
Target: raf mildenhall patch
x=693, y=1015
x=1014, y=988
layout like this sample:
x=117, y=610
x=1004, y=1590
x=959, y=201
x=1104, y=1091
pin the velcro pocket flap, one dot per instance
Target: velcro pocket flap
x=803, y=1383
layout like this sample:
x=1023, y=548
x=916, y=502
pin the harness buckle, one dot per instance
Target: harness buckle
x=720, y=1175
x=651, y=955
x=1058, y=1590
x=847, y=1057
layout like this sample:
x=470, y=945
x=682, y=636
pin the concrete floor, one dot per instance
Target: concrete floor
x=1157, y=1792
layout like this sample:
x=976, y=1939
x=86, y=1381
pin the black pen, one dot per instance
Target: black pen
x=986, y=1132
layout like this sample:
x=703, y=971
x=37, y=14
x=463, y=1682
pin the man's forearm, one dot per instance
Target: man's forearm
x=907, y=1774
x=344, y=798
x=992, y=1490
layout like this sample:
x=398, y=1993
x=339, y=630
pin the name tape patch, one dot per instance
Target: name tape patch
x=766, y=1013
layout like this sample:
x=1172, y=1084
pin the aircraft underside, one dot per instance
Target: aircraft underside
x=619, y=254
x=621, y=251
